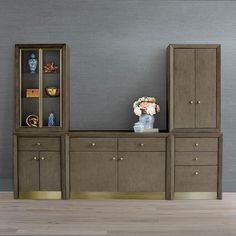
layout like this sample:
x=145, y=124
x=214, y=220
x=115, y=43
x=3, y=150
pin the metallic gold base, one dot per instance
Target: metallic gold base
x=118, y=195
x=195, y=195
x=40, y=195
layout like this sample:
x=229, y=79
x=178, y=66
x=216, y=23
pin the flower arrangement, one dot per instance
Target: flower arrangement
x=146, y=105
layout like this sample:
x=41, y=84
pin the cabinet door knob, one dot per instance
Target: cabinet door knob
x=93, y=144
x=141, y=144
x=113, y=158
x=196, y=144
x=35, y=158
x=38, y=144
x=198, y=102
x=121, y=159
x=196, y=173
x=191, y=102
x=196, y=159
x=42, y=158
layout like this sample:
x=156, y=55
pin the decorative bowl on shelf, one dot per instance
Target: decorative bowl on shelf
x=52, y=91
x=32, y=121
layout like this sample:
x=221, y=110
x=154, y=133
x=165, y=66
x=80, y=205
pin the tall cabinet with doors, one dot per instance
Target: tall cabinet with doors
x=194, y=120
x=42, y=117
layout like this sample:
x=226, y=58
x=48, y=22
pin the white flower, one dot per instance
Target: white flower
x=137, y=111
x=151, y=109
x=135, y=104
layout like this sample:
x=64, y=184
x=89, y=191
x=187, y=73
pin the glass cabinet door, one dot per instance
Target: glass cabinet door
x=41, y=87
x=52, y=83
x=30, y=88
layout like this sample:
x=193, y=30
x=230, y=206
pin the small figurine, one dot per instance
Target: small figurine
x=32, y=62
x=50, y=67
x=51, y=120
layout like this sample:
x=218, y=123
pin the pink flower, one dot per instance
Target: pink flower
x=143, y=105
x=158, y=108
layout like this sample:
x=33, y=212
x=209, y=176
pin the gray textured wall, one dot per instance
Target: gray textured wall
x=117, y=55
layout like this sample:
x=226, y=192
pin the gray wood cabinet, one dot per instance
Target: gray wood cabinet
x=38, y=167
x=193, y=73
x=118, y=166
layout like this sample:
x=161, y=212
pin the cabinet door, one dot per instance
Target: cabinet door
x=93, y=171
x=206, y=88
x=184, y=88
x=141, y=172
x=50, y=171
x=28, y=171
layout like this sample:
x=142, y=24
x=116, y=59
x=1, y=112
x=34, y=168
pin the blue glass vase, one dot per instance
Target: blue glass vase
x=51, y=120
x=147, y=120
x=32, y=62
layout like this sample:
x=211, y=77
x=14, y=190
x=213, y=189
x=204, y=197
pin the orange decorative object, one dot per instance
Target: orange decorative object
x=50, y=67
x=32, y=93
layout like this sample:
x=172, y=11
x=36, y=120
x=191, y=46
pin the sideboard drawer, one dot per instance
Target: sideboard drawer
x=196, y=144
x=196, y=158
x=142, y=144
x=39, y=143
x=195, y=178
x=93, y=144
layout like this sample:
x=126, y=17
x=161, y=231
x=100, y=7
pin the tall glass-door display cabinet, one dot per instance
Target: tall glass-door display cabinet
x=42, y=120
x=42, y=87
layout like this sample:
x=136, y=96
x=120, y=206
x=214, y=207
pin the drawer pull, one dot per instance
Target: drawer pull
x=113, y=158
x=121, y=159
x=196, y=159
x=198, y=102
x=141, y=144
x=196, y=144
x=196, y=173
x=93, y=144
x=190, y=102
x=42, y=158
x=38, y=144
x=35, y=158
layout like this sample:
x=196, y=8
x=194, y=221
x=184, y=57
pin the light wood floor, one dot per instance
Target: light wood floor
x=118, y=217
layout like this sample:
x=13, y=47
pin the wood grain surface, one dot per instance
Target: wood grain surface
x=118, y=217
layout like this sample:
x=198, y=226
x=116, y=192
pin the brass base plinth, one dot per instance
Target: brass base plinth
x=118, y=195
x=195, y=195
x=40, y=195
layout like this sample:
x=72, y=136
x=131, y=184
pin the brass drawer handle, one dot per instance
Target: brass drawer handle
x=196, y=144
x=93, y=144
x=121, y=159
x=196, y=159
x=196, y=173
x=191, y=102
x=113, y=158
x=38, y=144
x=35, y=158
x=42, y=158
x=141, y=144
x=198, y=102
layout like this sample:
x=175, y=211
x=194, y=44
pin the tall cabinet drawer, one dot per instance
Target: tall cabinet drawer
x=196, y=144
x=39, y=143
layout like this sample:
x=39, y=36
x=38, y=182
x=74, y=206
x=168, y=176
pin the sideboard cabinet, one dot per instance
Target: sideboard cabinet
x=122, y=165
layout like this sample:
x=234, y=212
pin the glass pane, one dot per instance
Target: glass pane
x=51, y=87
x=29, y=88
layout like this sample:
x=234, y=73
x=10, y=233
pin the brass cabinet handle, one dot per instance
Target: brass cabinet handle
x=196, y=159
x=38, y=144
x=35, y=158
x=196, y=173
x=141, y=144
x=93, y=144
x=198, y=102
x=196, y=144
x=113, y=158
x=191, y=102
x=42, y=158
x=121, y=159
